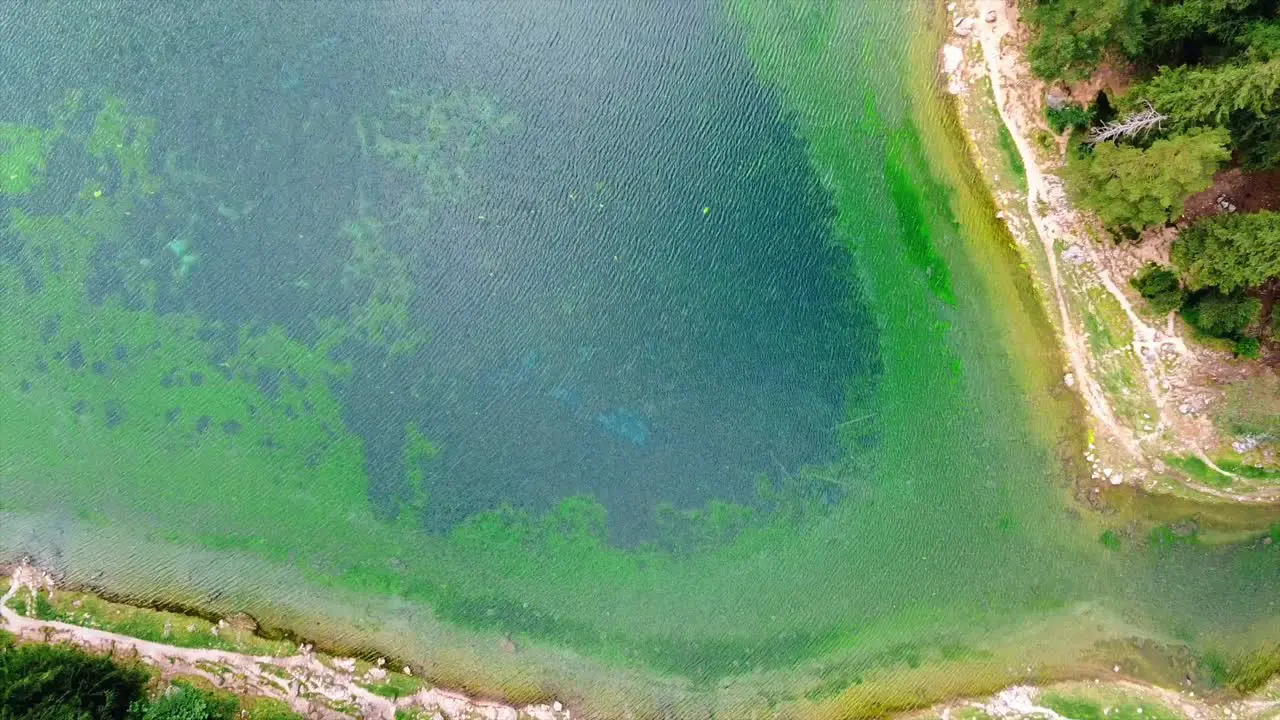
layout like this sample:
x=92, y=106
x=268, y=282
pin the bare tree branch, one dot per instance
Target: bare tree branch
x=1135, y=124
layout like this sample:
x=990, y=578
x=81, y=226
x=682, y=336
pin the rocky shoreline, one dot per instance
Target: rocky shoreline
x=311, y=683
x=1161, y=411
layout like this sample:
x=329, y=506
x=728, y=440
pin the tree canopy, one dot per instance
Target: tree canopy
x=1073, y=36
x=1229, y=251
x=1131, y=187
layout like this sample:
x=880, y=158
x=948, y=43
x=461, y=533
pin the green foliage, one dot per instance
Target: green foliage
x=1252, y=407
x=1231, y=251
x=184, y=702
x=1135, y=188
x=54, y=682
x=1248, y=347
x=1072, y=36
x=1070, y=116
x=1160, y=287
x=1243, y=97
x=1109, y=540
x=1219, y=315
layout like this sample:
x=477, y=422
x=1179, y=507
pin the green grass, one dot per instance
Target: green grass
x=1251, y=472
x=1198, y=470
x=1077, y=708
x=1012, y=157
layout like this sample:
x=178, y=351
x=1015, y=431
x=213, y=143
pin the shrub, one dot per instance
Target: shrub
x=1160, y=287
x=1248, y=347
x=54, y=682
x=184, y=702
x=1071, y=116
x=1218, y=315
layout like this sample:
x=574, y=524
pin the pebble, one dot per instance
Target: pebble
x=1117, y=478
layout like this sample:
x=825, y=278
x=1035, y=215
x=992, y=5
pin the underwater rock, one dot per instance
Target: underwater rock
x=625, y=424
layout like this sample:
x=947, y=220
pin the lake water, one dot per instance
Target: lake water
x=670, y=343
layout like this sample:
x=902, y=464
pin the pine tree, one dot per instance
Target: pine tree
x=1229, y=251
x=1130, y=187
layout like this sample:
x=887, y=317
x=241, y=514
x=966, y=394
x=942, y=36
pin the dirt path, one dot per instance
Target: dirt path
x=1058, y=223
x=306, y=682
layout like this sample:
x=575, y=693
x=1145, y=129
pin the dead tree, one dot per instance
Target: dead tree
x=1134, y=124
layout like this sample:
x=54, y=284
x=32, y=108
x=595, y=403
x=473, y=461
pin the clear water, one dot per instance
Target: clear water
x=669, y=341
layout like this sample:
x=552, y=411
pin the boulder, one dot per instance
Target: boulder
x=1056, y=98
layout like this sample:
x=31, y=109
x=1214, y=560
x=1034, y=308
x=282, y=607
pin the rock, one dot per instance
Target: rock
x=1248, y=443
x=1074, y=254
x=408, y=671
x=1117, y=478
x=1056, y=98
x=1266, y=540
x=556, y=705
x=963, y=27
x=242, y=622
x=345, y=664
x=1184, y=408
x=951, y=7
x=952, y=57
x=1106, y=472
x=1069, y=380
x=991, y=16
x=76, y=603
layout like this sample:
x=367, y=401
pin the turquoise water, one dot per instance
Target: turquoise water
x=670, y=343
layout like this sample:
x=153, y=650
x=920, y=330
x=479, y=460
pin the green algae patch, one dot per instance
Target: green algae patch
x=23, y=153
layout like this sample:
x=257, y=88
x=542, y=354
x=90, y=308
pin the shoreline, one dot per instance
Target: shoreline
x=320, y=686
x=982, y=62
x=311, y=683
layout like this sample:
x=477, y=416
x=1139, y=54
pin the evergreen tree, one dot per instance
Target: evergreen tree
x=1130, y=187
x=1073, y=35
x=1229, y=251
x=1244, y=97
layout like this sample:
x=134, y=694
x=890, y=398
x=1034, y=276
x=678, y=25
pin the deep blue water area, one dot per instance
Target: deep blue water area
x=627, y=291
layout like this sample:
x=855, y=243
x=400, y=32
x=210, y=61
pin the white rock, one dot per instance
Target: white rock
x=963, y=27
x=1106, y=471
x=1117, y=478
x=991, y=15
x=556, y=705
x=952, y=57
x=1069, y=380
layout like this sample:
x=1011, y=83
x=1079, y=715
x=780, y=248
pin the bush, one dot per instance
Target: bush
x=1218, y=315
x=1160, y=287
x=53, y=682
x=184, y=702
x=1248, y=348
x=1071, y=116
